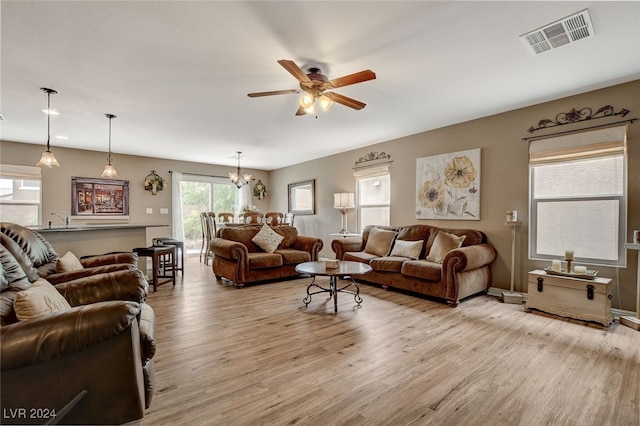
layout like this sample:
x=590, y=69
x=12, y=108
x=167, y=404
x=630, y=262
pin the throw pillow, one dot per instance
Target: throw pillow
x=379, y=241
x=443, y=243
x=41, y=298
x=410, y=249
x=267, y=239
x=68, y=263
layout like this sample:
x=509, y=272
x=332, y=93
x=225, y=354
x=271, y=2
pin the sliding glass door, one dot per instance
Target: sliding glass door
x=203, y=194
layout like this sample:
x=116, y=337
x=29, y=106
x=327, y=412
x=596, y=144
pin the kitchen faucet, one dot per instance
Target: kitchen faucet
x=66, y=219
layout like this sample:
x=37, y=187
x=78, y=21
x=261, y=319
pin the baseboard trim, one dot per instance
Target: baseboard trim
x=617, y=313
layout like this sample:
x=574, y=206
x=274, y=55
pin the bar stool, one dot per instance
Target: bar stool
x=157, y=253
x=179, y=245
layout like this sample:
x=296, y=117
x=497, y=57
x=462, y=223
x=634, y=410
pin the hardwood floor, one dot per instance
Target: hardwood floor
x=257, y=356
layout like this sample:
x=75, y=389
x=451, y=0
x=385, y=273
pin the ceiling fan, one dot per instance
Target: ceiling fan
x=316, y=86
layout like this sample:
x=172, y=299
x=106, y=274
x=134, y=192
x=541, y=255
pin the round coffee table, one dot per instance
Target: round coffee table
x=344, y=269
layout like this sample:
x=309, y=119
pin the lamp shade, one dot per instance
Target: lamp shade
x=325, y=102
x=344, y=200
x=48, y=159
x=109, y=171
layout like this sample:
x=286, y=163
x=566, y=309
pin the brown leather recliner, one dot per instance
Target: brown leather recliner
x=100, y=350
x=38, y=258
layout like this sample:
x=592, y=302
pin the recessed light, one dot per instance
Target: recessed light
x=50, y=112
x=62, y=137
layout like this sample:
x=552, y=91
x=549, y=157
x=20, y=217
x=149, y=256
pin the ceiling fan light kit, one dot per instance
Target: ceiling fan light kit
x=316, y=86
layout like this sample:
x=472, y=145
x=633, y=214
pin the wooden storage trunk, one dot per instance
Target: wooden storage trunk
x=582, y=299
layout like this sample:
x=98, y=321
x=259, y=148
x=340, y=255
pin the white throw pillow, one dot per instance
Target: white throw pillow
x=410, y=249
x=444, y=243
x=267, y=239
x=68, y=263
x=40, y=299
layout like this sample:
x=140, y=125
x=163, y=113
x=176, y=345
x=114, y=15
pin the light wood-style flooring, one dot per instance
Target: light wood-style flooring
x=257, y=356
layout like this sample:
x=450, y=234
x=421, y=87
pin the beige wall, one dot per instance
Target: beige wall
x=504, y=180
x=56, y=182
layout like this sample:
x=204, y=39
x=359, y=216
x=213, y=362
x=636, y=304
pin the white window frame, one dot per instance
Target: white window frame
x=22, y=173
x=367, y=173
x=579, y=147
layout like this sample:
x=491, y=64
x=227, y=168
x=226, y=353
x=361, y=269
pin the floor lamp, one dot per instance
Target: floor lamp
x=344, y=201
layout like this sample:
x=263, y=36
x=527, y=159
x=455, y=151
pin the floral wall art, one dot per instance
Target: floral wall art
x=448, y=186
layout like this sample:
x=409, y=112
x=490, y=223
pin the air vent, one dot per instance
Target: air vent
x=567, y=30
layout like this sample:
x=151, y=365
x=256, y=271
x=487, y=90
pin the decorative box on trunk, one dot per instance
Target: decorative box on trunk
x=582, y=299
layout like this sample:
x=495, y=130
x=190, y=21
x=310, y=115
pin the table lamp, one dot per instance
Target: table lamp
x=344, y=201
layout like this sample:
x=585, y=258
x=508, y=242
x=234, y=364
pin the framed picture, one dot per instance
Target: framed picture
x=99, y=198
x=302, y=197
x=448, y=186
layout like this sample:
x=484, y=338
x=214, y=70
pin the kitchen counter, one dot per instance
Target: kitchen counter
x=86, y=240
x=92, y=227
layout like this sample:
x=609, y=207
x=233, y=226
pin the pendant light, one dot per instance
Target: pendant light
x=48, y=159
x=234, y=177
x=109, y=170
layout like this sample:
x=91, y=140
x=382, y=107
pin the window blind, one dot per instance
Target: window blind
x=578, y=146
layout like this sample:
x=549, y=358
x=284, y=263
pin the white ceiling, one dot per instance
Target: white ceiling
x=176, y=73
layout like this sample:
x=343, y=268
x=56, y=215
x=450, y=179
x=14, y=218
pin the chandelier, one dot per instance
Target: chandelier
x=48, y=159
x=235, y=177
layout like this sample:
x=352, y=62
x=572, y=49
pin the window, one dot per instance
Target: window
x=373, y=195
x=203, y=194
x=578, y=197
x=20, y=194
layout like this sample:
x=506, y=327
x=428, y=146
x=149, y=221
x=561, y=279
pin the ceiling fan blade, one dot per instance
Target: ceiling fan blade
x=275, y=92
x=354, y=78
x=344, y=100
x=295, y=70
x=301, y=111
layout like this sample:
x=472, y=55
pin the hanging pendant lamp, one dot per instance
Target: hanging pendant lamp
x=48, y=159
x=235, y=178
x=109, y=170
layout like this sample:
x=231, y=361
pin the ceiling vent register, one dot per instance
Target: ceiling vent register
x=567, y=30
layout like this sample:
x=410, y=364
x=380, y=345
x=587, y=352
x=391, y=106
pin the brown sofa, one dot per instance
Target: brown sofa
x=104, y=344
x=462, y=272
x=238, y=259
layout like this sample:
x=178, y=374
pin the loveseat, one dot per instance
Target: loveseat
x=448, y=264
x=238, y=258
x=91, y=350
